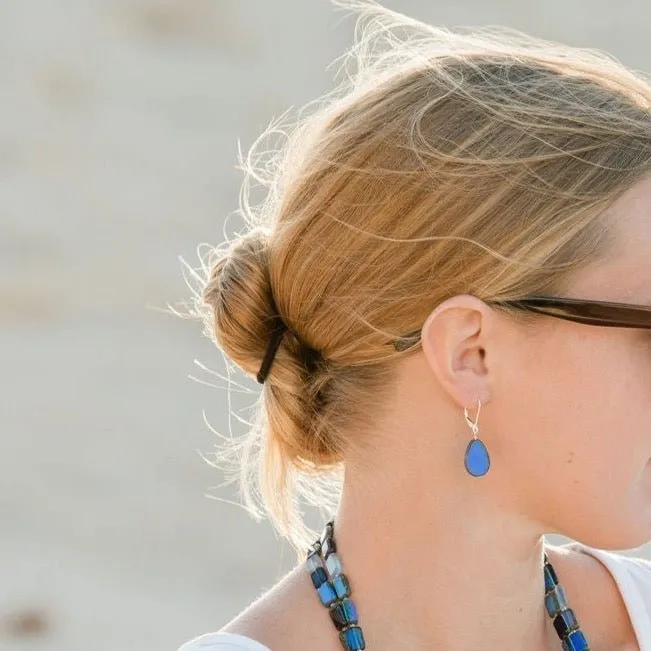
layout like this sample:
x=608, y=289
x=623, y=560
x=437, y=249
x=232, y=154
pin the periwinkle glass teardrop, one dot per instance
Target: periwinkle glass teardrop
x=477, y=460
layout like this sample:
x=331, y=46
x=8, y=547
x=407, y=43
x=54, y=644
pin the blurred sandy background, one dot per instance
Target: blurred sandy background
x=118, y=145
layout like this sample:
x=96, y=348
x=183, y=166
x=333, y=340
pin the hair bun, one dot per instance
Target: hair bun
x=239, y=293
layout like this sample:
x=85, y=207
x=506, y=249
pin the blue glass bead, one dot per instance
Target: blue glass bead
x=550, y=577
x=477, y=460
x=319, y=577
x=326, y=593
x=352, y=638
x=565, y=622
x=333, y=564
x=343, y=613
x=556, y=601
x=575, y=641
x=341, y=585
x=313, y=562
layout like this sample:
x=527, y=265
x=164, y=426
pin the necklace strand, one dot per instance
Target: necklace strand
x=333, y=589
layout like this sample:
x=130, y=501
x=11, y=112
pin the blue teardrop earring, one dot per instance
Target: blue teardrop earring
x=476, y=460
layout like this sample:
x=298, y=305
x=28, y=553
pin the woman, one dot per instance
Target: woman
x=446, y=297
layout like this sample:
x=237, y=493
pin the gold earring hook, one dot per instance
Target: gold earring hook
x=473, y=425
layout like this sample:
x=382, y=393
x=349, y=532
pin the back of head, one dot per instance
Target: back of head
x=479, y=161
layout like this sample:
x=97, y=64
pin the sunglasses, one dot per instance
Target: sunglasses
x=600, y=313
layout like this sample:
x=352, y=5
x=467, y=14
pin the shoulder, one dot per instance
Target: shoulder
x=620, y=586
x=631, y=572
x=223, y=642
x=287, y=616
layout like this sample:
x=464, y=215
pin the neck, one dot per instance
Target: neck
x=440, y=571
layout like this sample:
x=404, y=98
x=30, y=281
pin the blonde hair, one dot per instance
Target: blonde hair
x=475, y=161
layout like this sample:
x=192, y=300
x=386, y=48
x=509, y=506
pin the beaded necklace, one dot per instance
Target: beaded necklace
x=333, y=588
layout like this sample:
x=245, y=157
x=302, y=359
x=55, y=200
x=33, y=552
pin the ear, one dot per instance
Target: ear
x=456, y=342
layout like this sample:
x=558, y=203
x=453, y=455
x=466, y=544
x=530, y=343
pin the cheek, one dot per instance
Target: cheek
x=619, y=380
x=585, y=397
x=573, y=436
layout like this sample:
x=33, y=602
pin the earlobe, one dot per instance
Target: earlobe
x=454, y=339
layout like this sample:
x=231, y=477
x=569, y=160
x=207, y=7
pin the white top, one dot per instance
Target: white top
x=632, y=575
x=223, y=642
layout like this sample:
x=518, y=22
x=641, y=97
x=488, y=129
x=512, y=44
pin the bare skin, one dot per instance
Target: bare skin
x=454, y=562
